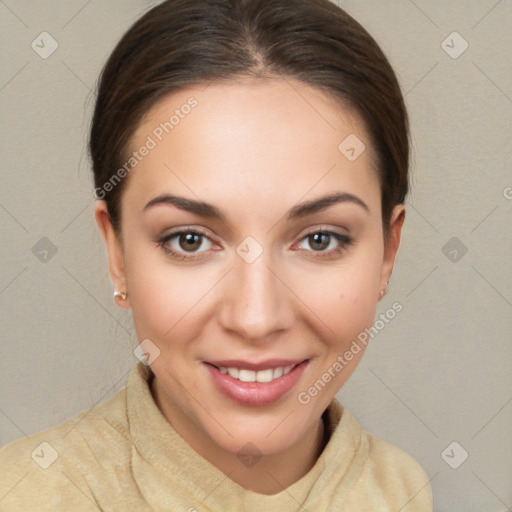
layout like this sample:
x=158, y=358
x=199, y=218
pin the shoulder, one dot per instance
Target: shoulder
x=399, y=475
x=379, y=475
x=49, y=470
x=372, y=474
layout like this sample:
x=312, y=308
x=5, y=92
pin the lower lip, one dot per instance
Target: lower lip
x=256, y=393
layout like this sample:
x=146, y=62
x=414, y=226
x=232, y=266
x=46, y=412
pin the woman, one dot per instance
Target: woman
x=251, y=166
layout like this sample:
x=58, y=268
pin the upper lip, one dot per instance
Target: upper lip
x=262, y=365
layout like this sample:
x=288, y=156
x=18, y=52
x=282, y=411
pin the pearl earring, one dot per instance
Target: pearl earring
x=384, y=290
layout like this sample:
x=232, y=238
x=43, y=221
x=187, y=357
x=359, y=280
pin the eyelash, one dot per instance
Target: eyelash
x=344, y=240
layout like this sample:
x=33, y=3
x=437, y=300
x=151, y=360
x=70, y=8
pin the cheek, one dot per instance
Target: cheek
x=163, y=297
x=344, y=298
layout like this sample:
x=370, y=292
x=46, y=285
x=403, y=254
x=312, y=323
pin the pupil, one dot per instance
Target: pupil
x=317, y=240
x=191, y=241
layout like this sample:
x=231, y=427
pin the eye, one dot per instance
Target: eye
x=326, y=243
x=185, y=244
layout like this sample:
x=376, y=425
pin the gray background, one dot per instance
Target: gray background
x=440, y=372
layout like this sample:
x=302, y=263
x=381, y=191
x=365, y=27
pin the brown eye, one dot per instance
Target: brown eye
x=190, y=241
x=325, y=244
x=319, y=241
x=188, y=244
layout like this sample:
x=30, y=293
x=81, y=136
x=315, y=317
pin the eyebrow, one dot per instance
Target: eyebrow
x=298, y=211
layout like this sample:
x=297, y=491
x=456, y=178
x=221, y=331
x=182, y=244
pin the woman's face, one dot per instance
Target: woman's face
x=233, y=261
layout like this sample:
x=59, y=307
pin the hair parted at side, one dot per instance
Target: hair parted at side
x=181, y=43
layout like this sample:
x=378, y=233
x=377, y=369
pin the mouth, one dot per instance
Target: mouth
x=246, y=375
x=256, y=384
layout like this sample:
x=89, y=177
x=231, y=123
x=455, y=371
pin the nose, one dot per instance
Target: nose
x=256, y=302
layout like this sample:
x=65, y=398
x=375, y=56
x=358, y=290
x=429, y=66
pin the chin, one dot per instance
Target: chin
x=256, y=438
x=267, y=430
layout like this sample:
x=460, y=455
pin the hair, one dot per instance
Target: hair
x=182, y=43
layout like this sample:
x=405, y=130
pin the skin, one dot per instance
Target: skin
x=254, y=148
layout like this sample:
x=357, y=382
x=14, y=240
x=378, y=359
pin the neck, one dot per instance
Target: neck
x=271, y=474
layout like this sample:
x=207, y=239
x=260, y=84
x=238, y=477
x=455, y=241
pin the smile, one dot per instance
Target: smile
x=260, y=376
x=255, y=384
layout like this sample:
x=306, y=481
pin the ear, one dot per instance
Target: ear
x=114, y=250
x=391, y=246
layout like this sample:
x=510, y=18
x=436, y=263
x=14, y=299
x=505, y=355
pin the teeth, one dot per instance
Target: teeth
x=252, y=376
x=247, y=376
x=233, y=372
x=265, y=375
x=278, y=372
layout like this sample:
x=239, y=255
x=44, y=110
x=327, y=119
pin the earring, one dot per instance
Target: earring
x=122, y=295
x=384, y=290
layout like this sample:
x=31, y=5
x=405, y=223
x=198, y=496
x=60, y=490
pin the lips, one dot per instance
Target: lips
x=256, y=384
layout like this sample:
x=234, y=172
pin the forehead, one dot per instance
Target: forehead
x=257, y=138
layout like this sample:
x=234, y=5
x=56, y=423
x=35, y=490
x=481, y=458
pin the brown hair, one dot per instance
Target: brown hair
x=180, y=43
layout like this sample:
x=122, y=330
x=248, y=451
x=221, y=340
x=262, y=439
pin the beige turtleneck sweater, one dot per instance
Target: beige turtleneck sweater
x=124, y=456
